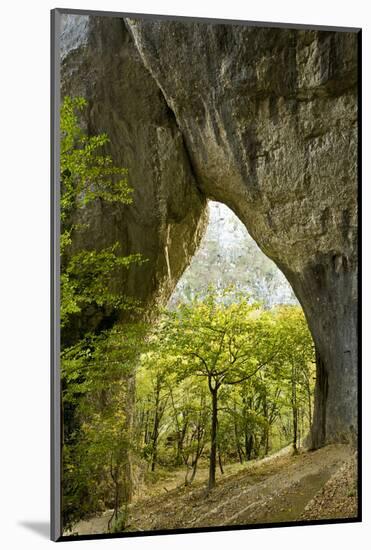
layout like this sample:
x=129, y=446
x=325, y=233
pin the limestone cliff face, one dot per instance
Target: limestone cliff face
x=269, y=117
x=270, y=120
x=263, y=120
x=168, y=215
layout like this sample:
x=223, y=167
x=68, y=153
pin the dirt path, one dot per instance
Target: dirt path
x=275, y=489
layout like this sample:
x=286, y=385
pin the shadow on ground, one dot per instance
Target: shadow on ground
x=42, y=528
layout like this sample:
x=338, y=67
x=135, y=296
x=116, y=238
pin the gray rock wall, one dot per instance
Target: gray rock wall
x=168, y=215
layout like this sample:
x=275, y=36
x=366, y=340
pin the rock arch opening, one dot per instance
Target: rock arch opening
x=272, y=132
x=229, y=258
x=228, y=255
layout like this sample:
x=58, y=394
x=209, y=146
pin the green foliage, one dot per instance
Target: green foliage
x=96, y=370
x=96, y=376
x=223, y=337
x=92, y=362
x=88, y=176
x=86, y=280
x=296, y=367
x=231, y=352
x=99, y=442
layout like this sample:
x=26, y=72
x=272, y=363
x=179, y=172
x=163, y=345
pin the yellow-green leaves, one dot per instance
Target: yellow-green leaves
x=87, y=174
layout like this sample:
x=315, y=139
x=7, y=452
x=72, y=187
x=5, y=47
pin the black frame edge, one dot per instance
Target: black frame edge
x=215, y=529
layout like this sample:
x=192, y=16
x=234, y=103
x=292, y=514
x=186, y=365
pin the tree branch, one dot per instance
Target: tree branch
x=251, y=374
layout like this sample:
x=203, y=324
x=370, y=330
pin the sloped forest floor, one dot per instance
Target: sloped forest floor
x=312, y=485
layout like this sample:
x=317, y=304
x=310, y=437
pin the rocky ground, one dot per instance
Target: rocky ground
x=338, y=497
x=284, y=487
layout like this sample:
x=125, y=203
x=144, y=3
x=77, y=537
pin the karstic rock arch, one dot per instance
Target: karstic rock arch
x=261, y=119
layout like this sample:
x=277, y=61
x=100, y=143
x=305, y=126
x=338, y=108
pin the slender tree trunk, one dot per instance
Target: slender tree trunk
x=220, y=461
x=266, y=428
x=154, y=452
x=146, y=428
x=309, y=398
x=248, y=444
x=156, y=424
x=295, y=430
x=213, y=445
x=236, y=435
x=128, y=484
x=194, y=465
x=239, y=452
x=115, y=475
x=200, y=431
x=266, y=451
x=195, y=461
x=256, y=447
x=117, y=500
x=180, y=443
x=301, y=432
x=294, y=410
x=194, y=471
x=180, y=431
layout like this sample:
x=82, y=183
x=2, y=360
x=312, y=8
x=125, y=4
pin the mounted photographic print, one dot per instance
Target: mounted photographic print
x=205, y=187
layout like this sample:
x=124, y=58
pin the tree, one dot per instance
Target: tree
x=224, y=339
x=157, y=365
x=197, y=436
x=95, y=422
x=87, y=176
x=94, y=375
x=296, y=365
